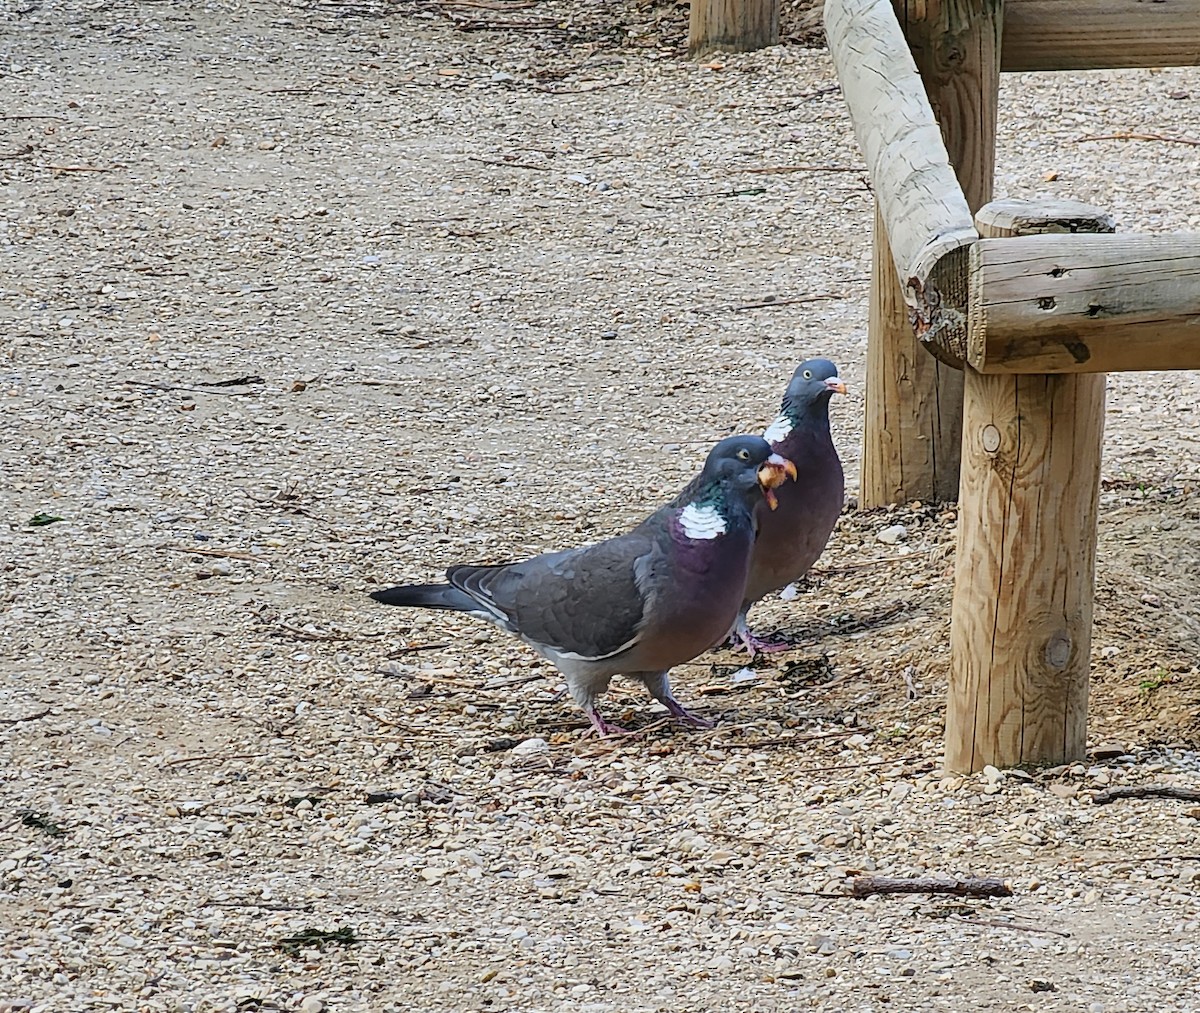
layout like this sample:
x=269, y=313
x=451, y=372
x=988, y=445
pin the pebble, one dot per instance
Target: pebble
x=531, y=747
x=892, y=534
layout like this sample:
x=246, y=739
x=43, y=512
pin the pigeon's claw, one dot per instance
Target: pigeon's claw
x=602, y=727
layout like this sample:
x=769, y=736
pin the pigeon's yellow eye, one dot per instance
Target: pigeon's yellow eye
x=808, y=374
x=743, y=454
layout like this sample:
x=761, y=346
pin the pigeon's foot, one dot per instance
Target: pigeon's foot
x=741, y=637
x=685, y=716
x=602, y=727
x=763, y=645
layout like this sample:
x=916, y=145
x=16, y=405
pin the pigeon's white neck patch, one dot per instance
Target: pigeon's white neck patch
x=701, y=522
x=778, y=430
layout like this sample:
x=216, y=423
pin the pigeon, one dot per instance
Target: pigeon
x=637, y=604
x=791, y=538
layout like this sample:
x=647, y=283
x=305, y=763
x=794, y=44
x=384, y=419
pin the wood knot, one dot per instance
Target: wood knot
x=991, y=438
x=1058, y=650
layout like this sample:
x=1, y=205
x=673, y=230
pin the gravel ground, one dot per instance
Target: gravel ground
x=304, y=297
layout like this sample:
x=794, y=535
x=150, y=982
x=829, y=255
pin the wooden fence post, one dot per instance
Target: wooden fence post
x=912, y=432
x=736, y=26
x=1022, y=614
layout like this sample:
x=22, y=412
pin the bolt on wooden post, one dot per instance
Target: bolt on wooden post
x=1022, y=614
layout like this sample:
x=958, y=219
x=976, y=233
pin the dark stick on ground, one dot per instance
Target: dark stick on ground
x=1147, y=791
x=865, y=886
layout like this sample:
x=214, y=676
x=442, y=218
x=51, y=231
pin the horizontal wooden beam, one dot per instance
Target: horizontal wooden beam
x=926, y=217
x=1100, y=34
x=1085, y=304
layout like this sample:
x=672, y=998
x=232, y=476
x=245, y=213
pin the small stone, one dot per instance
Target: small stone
x=608, y=335
x=1110, y=751
x=993, y=775
x=1042, y=985
x=311, y=1004
x=91, y=679
x=892, y=534
x=1063, y=790
x=531, y=747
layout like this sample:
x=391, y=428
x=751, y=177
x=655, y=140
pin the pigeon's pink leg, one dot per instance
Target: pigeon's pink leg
x=602, y=727
x=742, y=636
x=660, y=688
x=681, y=713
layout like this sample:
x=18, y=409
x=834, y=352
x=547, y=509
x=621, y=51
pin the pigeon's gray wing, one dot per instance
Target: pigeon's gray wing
x=589, y=603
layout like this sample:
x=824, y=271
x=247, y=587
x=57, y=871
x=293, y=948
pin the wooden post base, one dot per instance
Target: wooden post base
x=1022, y=614
x=736, y=26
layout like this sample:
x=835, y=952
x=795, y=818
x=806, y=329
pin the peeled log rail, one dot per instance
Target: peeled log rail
x=927, y=218
x=1021, y=619
x=735, y=26
x=941, y=55
x=1085, y=304
x=1100, y=34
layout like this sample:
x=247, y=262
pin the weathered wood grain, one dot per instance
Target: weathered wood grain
x=1085, y=303
x=1100, y=34
x=735, y=26
x=911, y=438
x=1022, y=614
x=913, y=424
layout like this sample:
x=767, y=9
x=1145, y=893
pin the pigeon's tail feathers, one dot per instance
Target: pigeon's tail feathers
x=427, y=596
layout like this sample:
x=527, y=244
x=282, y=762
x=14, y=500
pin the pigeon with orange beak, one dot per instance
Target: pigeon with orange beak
x=792, y=537
x=637, y=604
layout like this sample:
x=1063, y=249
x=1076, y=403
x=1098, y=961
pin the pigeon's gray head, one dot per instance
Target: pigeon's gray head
x=743, y=463
x=813, y=384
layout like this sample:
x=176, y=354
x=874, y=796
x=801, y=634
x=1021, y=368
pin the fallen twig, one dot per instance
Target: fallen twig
x=261, y=905
x=477, y=25
x=753, y=191
x=1144, y=858
x=843, y=733
x=302, y=634
x=490, y=5
x=999, y=923
x=399, y=652
x=1138, y=137
x=866, y=565
x=776, y=169
x=31, y=116
x=220, y=553
x=1147, y=791
x=865, y=886
x=856, y=766
x=213, y=756
x=768, y=303
x=28, y=717
x=76, y=168
x=546, y=89
x=195, y=390
x=510, y=165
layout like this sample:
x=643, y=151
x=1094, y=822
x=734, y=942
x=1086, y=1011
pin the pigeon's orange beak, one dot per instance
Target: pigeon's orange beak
x=771, y=475
x=835, y=385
